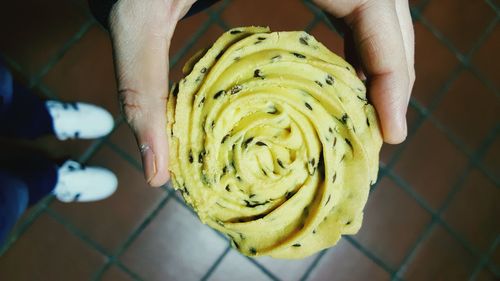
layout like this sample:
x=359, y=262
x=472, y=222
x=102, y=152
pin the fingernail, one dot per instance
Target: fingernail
x=148, y=162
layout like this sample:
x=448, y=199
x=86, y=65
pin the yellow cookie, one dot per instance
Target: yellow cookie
x=273, y=142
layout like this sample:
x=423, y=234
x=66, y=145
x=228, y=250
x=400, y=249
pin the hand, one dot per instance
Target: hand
x=382, y=32
x=141, y=32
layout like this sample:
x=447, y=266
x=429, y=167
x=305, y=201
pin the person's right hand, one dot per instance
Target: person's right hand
x=141, y=32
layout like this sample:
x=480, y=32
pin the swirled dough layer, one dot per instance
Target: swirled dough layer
x=273, y=142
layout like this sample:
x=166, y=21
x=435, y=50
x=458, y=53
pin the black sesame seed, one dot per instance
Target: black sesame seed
x=334, y=177
x=236, y=89
x=313, y=161
x=259, y=143
x=264, y=171
x=238, y=178
x=328, y=200
x=348, y=223
x=329, y=79
x=253, y=251
x=203, y=70
x=176, y=90
x=227, y=188
x=296, y=245
x=200, y=157
x=314, y=231
x=289, y=194
x=334, y=141
x=201, y=102
x=344, y=118
x=236, y=58
x=220, y=55
x=251, y=195
x=224, y=170
x=308, y=106
x=212, y=125
x=261, y=38
x=257, y=73
x=249, y=140
x=281, y=164
x=224, y=138
x=275, y=58
x=235, y=31
x=190, y=156
x=367, y=122
x=273, y=110
x=218, y=94
x=330, y=130
x=303, y=41
x=348, y=142
x=319, y=83
x=300, y=56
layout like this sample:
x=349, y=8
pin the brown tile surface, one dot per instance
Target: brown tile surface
x=440, y=257
x=234, y=266
x=290, y=270
x=34, y=31
x=185, y=30
x=474, y=211
x=491, y=159
x=49, y=252
x=469, y=109
x=109, y=222
x=387, y=151
x=345, y=263
x=433, y=65
x=115, y=274
x=392, y=223
x=279, y=15
x=174, y=246
x=431, y=164
x=486, y=275
x=488, y=54
x=207, y=38
x=86, y=72
x=124, y=139
x=331, y=39
x=472, y=17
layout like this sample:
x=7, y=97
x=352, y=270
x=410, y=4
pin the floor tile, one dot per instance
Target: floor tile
x=434, y=63
x=110, y=222
x=487, y=54
x=469, y=109
x=495, y=257
x=234, y=266
x=185, y=30
x=440, y=257
x=115, y=274
x=279, y=15
x=492, y=160
x=486, y=275
x=345, y=263
x=472, y=17
x=174, y=246
x=289, y=270
x=474, y=211
x=124, y=139
x=34, y=31
x=206, y=40
x=86, y=72
x=431, y=164
x=331, y=39
x=47, y=251
x=392, y=223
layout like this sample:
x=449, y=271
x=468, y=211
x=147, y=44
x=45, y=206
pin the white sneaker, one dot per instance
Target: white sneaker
x=79, y=120
x=77, y=183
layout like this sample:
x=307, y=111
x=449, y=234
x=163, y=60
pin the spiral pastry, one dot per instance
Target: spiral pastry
x=273, y=142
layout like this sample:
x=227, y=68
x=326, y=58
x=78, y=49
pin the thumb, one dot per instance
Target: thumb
x=141, y=40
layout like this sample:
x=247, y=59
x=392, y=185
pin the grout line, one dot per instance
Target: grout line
x=493, y=6
x=216, y=263
x=124, y=155
x=127, y=270
x=11, y=62
x=483, y=262
x=262, y=268
x=369, y=254
x=113, y=258
x=313, y=265
x=197, y=35
x=34, y=81
x=76, y=232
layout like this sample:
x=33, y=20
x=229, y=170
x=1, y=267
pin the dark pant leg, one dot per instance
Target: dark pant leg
x=22, y=114
x=13, y=203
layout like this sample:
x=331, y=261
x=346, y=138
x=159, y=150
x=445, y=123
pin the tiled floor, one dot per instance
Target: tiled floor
x=432, y=216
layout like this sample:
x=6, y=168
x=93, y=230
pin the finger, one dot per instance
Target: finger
x=379, y=41
x=141, y=41
x=406, y=25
